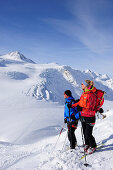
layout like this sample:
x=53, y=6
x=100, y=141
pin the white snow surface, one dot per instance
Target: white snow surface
x=31, y=112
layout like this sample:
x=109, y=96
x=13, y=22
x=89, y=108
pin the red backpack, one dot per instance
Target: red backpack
x=99, y=99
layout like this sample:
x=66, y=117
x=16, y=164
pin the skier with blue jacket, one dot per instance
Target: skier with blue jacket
x=71, y=116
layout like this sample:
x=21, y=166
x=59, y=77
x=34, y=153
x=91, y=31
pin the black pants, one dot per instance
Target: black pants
x=71, y=134
x=87, y=125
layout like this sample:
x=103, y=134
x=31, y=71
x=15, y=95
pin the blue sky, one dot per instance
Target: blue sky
x=78, y=33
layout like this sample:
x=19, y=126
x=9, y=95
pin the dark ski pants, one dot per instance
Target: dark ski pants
x=87, y=131
x=71, y=135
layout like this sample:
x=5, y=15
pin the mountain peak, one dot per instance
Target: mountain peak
x=16, y=56
x=87, y=71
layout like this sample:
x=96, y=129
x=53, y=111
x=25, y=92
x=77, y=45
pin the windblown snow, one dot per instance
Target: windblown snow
x=31, y=112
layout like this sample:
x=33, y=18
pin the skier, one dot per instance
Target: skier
x=71, y=116
x=87, y=102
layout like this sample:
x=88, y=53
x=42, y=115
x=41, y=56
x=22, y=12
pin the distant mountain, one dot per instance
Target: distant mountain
x=14, y=57
x=49, y=81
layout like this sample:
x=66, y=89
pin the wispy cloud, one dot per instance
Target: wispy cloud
x=89, y=26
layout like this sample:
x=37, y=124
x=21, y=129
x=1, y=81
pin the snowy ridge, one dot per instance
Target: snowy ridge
x=49, y=81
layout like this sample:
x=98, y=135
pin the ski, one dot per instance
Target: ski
x=100, y=146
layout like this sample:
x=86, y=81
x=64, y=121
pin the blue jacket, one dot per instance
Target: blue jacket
x=74, y=111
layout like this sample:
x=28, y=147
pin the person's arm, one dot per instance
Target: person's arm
x=75, y=105
x=65, y=112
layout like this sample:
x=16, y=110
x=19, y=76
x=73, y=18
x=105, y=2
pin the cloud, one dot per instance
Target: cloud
x=91, y=25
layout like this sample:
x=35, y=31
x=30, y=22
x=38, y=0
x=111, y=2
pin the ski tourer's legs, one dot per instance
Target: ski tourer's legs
x=71, y=136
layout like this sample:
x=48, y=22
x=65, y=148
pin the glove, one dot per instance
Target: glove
x=65, y=120
x=73, y=117
x=101, y=110
x=79, y=108
x=69, y=106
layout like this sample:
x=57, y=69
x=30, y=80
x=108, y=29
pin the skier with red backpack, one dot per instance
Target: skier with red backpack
x=90, y=101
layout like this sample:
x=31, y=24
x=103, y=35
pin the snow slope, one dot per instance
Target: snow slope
x=31, y=112
x=43, y=154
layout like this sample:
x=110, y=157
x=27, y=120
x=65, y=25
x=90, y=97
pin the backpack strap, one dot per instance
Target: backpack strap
x=72, y=101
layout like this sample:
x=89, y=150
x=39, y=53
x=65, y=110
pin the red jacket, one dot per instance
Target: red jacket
x=87, y=102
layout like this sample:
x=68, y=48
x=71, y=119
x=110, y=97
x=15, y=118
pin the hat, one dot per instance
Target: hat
x=88, y=83
x=68, y=93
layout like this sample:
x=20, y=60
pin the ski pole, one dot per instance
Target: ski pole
x=59, y=136
x=103, y=116
x=86, y=164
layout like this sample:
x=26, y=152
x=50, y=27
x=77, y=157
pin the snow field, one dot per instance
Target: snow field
x=42, y=155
